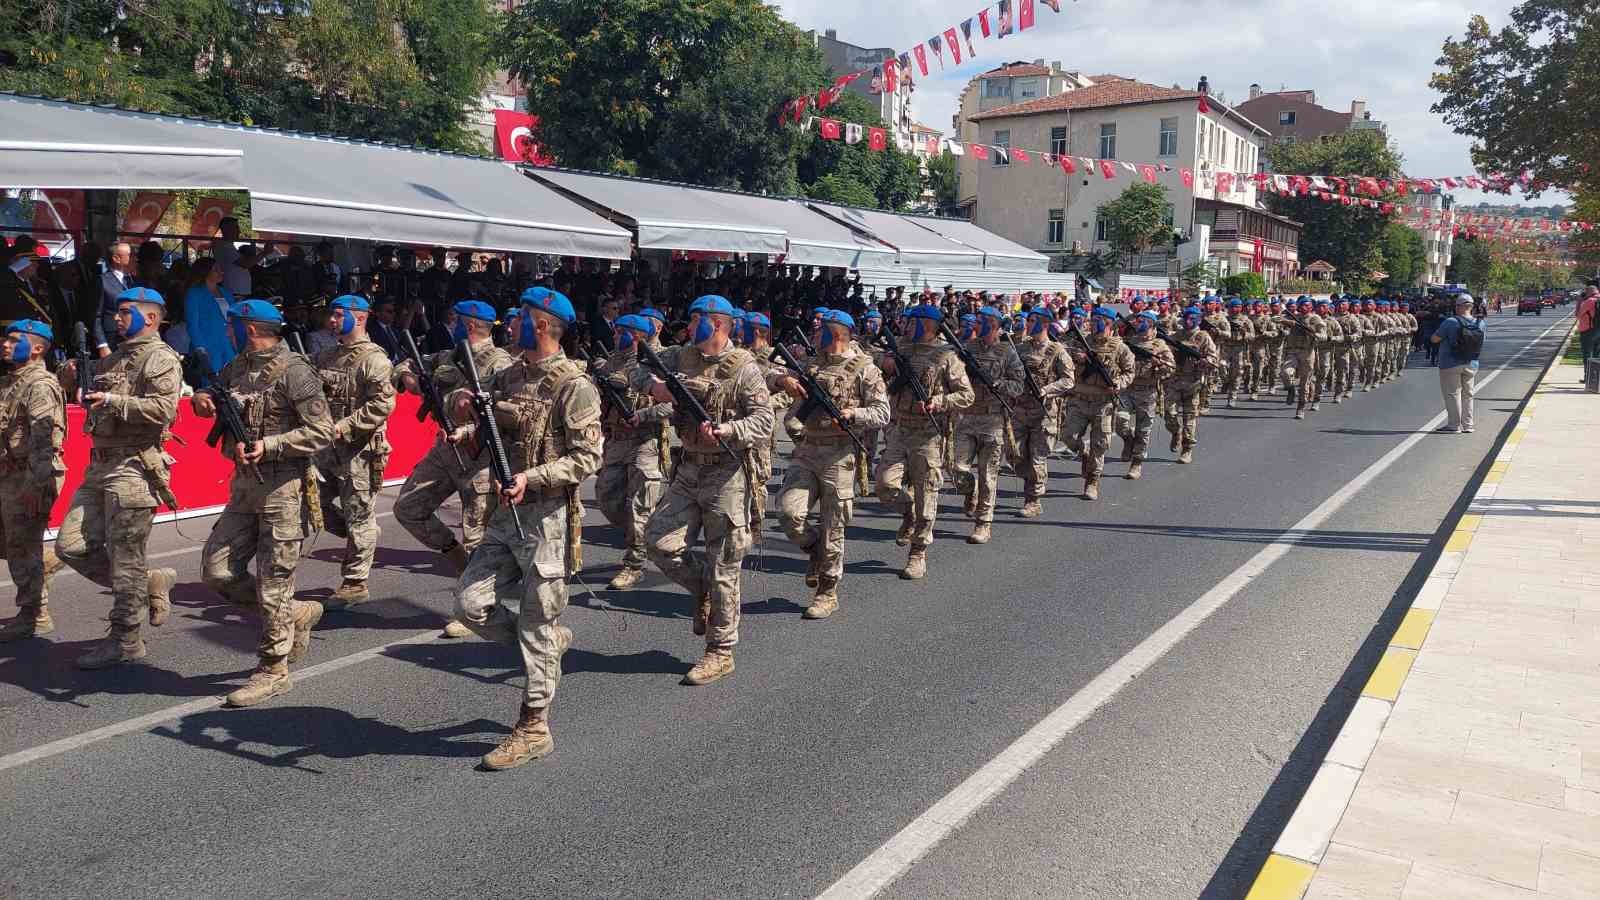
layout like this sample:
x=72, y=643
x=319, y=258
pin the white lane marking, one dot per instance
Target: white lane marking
x=926, y=831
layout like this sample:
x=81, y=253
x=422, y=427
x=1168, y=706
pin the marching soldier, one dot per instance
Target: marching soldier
x=1240, y=349
x=1326, y=379
x=630, y=481
x=1262, y=351
x=1348, y=367
x=514, y=588
x=911, y=467
x=823, y=469
x=1306, y=334
x=1216, y=323
x=358, y=381
x=449, y=468
x=107, y=529
x=756, y=329
x=1153, y=364
x=981, y=429
x=1051, y=370
x=1093, y=400
x=33, y=427
x=1404, y=342
x=1198, y=356
x=712, y=486
x=272, y=498
x=1274, y=320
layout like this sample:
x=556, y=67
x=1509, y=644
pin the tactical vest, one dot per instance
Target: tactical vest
x=450, y=376
x=925, y=360
x=337, y=371
x=1088, y=381
x=993, y=362
x=1144, y=369
x=1353, y=331
x=1240, y=330
x=1300, y=338
x=619, y=371
x=267, y=410
x=537, y=442
x=1039, y=360
x=117, y=376
x=14, y=426
x=840, y=382
x=1265, y=326
x=1335, y=330
x=712, y=383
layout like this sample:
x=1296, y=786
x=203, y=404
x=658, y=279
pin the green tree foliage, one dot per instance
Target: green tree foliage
x=1349, y=237
x=945, y=182
x=892, y=178
x=1405, y=256
x=1528, y=94
x=844, y=189
x=1470, y=262
x=1586, y=244
x=1137, y=218
x=1244, y=284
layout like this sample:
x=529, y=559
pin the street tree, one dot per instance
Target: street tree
x=1405, y=256
x=944, y=181
x=1470, y=261
x=1136, y=220
x=1349, y=237
x=892, y=178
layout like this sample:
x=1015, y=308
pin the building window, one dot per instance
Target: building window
x=1102, y=229
x=1222, y=139
x=1169, y=215
x=1002, y=141
x=997, y=87
x=1108, y=141
x=1286, y=117
x=1205, y=138
x=1027, y=90
x=1169, y=137
x=1058, y=140
x=1055, y=229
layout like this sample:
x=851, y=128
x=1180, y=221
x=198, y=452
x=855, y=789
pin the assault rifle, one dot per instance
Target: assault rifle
x=85, y=363
x=432, y=400
x=609, y=394
x=681, y=397
x=905, y=376
x=489, y=429
x=1095, y=364
x=1178, y=346
x=298, y=345
x=973, y=367
x=816, y=397
x=230, y=415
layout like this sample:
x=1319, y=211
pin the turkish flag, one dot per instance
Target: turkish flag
x=1187, y=175
x=922, y=59
x=831, y=130
x=932, y=144
x=983, y=21
x=1021, y=156
x=1024, y=15
x=208, y=216
x=1067, y=165
x=1148, y=173
x=58, y=211
x=954, y=43
x=513, y=135
x=877, y=139
x=1107, y=169
x=891, y=76
x=1258, y=256
x=144, y=212
x=980, y=151
x=1224, y=182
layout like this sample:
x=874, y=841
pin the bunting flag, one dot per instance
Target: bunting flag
x=1053, y=4
x=966, y=32
x=1188, y=177
x=922, y=59
x=905, y=67
x=208, y=215
x=1004, y=10
x=1148, y=173
x=144, y=212
x=1021, y=156
x=932, y=145
x=979, y=151
x=954, y=148
x=983, y=22
x=1024, y=15
x=954, y=44
x=891, y=76
x=877, y=139
x=831, y=130
x=1107, y=169
x=853, y=133
x=1002, y=156
x=1067, y=165
x=937, y=45
x=1049, y=160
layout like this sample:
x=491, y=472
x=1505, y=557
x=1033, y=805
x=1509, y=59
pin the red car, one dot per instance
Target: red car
x=1529, y=305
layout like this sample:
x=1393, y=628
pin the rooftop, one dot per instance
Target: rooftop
x=1125, y=92
x=1016, y=70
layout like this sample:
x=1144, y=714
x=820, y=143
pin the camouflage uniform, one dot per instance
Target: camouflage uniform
x=1240, y=348
x=823, y=469
x=284, y=408
x=358, y=382
x=1370, y=327
x=107, y=528
x=1263, y=374
x=33, y=427
x=911, y=466
x=981, y=430
x=514, y=589
x=711, y=493
x=1328, y=360
x=1300, y=360
x=1407, y=339
x=1348, y=368
x=1217, y=324
x=1047, y=361
x=1092, y=403
x=438, y=475
x=630, y=480
x=1153, y=365
x=1183, y=388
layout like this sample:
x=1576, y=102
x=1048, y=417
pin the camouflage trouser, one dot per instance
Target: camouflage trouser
x=434, y=479
x=22, y=538
x=513, y=591
x=1237, y=359
x=272, y=538
x=978, y=449
x=824, y=476
x=1034, y=437
x=1344, y=370
x=1369, y=362
x=1260, y=376
x=910, y=473
x=628, y=489
x=1299, y=372
x=1183, y=412
x=1091, y=415
x=106, y=532
x=758, y=487
x=1207, y=385
x=355, y=518
x=1135, y=425
x=710, y=499
x=1274, y=365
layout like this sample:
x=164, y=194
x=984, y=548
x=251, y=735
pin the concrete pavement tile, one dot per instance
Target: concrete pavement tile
x=1308, y=831
x=1407, y=764
x=1359, y=734
x=1591, y=769
x=1564, y=873
x=1432, y=593
x=1583, y=801
x=1429, y=803
x=1485, y=853
x=1433, y=883
x=1564, y=827
x=1508, y=699
x=1350, y=873
x=1515, y=651
x=1584, y=735
x=1468, y=669
x=1509, y=746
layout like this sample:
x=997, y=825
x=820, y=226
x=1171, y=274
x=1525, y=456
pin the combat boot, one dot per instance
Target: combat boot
x=1136, y=471
x=713, y=665
x=161, y=582
x=826, y=602
x=903, y=536
x=454, y=629
x=1175, y=445
x=119, y=646
x=1032, y=509
x=702, y=613
x=1300, y=414
x=1127, y=450
x=1091, y=488
x=980, y=533
x=1187, y=456
x=814, y=567
x=267, y=681
x=305, y=614
x=349, y=593
x=1316, y=406
x=1232, y=404
x=457, y=555
x=31, y=622
x=627, y=578
x=529, y=740
x=52, y=563
x=969, y=504
x=916, y=564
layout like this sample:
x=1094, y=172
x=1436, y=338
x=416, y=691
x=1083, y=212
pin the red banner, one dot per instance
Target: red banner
x=55, y=210
x=208, y=216
x=514, y=136
x=144, y=213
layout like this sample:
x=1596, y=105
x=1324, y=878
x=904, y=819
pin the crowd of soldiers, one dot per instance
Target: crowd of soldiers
x=681, y=439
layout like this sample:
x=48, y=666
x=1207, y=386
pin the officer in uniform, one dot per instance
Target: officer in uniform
x=630, y=481
x=107, y=528
x=1240, y=348
x=1348, y=366
x=755, y=333
x=823, y=470
x=1153, y=364
x=1261, y=350
x=1329, y=352
x=273, y=498
x=1217, y=323
x=1093, y=402
x=33, y=427
x=1183, y=388
x=514, y=588
x=1306, y=335
x=1051, y=368
x=358, y=381
x=911, y=467
x=439, y=474
x=712, y=487
x=1274, y=362
x=982, y=429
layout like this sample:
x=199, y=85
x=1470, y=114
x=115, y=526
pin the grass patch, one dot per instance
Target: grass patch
x=1572, y=354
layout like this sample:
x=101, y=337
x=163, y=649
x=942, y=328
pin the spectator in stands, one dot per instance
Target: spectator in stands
x=176, y=331
x=236, y=275
x=118, y=277
x=19, y=296
x=226, y=248
x=1588, y=327
x=381, y=327
x=205, y=311
x=1457, y=374
x=148, y=271
x=325, y=332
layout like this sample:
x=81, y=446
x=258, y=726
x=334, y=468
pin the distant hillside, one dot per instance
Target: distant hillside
x=1516, y=211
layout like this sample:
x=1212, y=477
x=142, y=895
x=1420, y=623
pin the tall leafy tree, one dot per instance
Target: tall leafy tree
x=1136, y=220
x=1349, y=237
x=1405, y=256
x=944, y=180
x=891, y=178
x=1470, y=262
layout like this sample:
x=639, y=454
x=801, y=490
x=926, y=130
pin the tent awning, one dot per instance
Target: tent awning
x=813, y=239
x=998, y=253
x=304, y=184
x=914, y=245
x=669, y=216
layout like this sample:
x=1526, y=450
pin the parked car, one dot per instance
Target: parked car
x=1529, y=305
x=1548, y=303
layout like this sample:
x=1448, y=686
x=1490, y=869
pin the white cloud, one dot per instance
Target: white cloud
x=1374, y=50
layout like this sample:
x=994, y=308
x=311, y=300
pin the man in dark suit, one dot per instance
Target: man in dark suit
x=118, y=277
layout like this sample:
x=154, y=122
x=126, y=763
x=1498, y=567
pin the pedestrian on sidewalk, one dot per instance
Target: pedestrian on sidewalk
x=1588, y=333
x=1459, y=340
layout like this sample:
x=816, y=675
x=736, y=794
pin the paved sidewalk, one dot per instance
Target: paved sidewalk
x=1470, y=767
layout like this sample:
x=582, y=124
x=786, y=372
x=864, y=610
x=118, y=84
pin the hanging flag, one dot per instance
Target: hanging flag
x=1280, y=183
x=208, y=216
x=1148, y=173
x=1187, y=176
x=57, y=211
x=1067, y=164
x=937, y=46
x=1387, y=208
x=877, y=139
x=905, y=68
x=1021, y=156
x=1400, y=187
x=954, y=43
x=853, y=133
x=933, y=145
x=891, y=77
x=1049, y=159
x=1130, y=167
x=1318, y=182
x=1002, y=154
x=876, y=85
x=827, y=96
x=922, y=59
x=1005, y=19
x=1224, y=182
x=1107, y=169
x=513, y=135
x=144, y=212
x=966, y=32
x=983, y=23
x=979, y=151
x=1024, y=15
x=831, y=130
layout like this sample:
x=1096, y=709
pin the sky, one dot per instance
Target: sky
x=1379, y=51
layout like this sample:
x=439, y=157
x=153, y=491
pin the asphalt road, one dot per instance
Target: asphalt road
x=830, y=738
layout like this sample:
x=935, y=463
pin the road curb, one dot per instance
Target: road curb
x=1299, y=850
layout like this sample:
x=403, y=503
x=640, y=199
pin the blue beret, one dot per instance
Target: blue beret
x=1147, y=314
x=712, y=304
x=1235, y=301
x=33, y=327
x=873, y=314
x=1105, y=312
x=351, y=302
x=1193, y=311
x=554, y=303
x=968, y=319
x=650, y=312
x=1322, y=301
x=991, y=312
x=477, y=309
x=925, y=311
x=839, y=317
x=257, y=311
x=1042, y=312
x=637, y=323
x=819, y=310
x=1138, y=298
x=739, y=313
x=141, y=295
x=759, y=320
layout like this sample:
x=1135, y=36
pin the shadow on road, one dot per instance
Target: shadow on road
x=1398, y=542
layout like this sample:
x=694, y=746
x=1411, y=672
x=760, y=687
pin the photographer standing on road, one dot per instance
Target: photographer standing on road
x=1460, y=340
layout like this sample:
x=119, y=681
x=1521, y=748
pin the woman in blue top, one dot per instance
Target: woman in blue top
x=204, y=312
